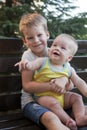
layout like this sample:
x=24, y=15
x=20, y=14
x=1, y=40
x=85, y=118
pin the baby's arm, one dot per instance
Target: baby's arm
x=34, y=65
x=30, y=65
x=78, y=82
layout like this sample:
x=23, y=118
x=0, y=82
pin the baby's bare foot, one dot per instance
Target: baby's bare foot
x=71, y=124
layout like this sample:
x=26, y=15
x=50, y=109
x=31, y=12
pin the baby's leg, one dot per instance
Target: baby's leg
x=75, y=101
x=86, y=109
x=52, y=122
x=52, y=104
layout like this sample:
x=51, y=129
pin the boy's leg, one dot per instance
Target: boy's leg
x=42, y=115
x=52, y=104
x=75, y=101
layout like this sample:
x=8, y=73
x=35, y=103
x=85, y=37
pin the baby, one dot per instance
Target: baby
x=52, y=69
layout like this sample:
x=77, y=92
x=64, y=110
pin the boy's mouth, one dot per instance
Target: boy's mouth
x=38, y=45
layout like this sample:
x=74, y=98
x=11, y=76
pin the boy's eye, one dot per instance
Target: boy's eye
x=39, y=35
x=29, y=38
x=54, y=45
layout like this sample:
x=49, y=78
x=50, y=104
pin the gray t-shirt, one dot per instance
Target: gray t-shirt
x=26, y=97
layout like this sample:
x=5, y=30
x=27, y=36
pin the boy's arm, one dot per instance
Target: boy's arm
x=69, y=85
x=78, y=82
x=31, y=86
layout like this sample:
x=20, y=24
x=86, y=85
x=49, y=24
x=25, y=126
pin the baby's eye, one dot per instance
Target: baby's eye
x=63, y=48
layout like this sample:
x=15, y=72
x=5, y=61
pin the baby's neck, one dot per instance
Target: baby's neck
x=56, y=64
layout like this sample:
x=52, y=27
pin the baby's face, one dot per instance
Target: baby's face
x=60, y=51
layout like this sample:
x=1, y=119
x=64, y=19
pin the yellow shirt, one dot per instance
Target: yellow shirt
x=48, y=72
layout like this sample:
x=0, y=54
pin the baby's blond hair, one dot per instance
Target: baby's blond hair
x=70, y=39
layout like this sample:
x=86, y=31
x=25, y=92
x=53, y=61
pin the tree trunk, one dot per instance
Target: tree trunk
x=9, y=3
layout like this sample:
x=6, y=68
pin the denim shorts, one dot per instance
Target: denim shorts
x=34, y=111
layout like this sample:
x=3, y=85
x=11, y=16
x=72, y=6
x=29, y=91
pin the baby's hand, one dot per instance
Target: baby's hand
x=60, y=84
x=22, y=64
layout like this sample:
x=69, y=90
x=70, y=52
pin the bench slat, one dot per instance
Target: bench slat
x=34, y=127
x=83, y=75
x=15, y=121
x=10, y=83
x=81, y=43
x=11, y=46
x=82, y=49
x=10, y=101
x=79, y=62
x=7, y=64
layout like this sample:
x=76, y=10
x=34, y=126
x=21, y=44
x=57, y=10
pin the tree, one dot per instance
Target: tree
x=58, y=24
x=74, y=26
x=55, y=12
x=9, y=3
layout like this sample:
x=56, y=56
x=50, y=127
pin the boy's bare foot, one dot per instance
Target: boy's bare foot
x=71, y=124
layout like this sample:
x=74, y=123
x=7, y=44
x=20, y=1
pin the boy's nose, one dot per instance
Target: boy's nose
x=36, y=39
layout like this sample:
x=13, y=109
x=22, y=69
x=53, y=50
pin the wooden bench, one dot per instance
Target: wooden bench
x=11, y=116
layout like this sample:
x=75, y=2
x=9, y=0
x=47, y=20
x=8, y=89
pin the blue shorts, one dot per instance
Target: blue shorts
x=34, y=111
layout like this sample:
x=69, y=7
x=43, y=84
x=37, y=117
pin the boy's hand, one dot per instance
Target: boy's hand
x=69, y=85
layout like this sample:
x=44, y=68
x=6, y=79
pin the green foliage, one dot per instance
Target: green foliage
x=74, y=26
x=9, y=19
x=55, y=12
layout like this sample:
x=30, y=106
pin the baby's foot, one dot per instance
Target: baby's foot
x=71, y=124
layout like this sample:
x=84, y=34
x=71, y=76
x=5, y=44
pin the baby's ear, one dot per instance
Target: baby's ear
x=70, y=58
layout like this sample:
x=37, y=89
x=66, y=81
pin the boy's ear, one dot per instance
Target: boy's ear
x=24, y=41
x=48, y=34
x=48, y=52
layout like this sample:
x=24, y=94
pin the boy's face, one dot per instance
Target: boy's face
x=60, y=51
x=36, y=39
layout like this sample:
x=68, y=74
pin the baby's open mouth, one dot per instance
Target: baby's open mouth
x=56, y=53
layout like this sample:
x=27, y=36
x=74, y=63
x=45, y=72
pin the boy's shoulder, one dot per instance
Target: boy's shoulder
x=29, y=55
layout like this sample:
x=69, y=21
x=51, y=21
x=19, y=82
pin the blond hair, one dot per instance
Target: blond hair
x=70, y=39
x=32, y=19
